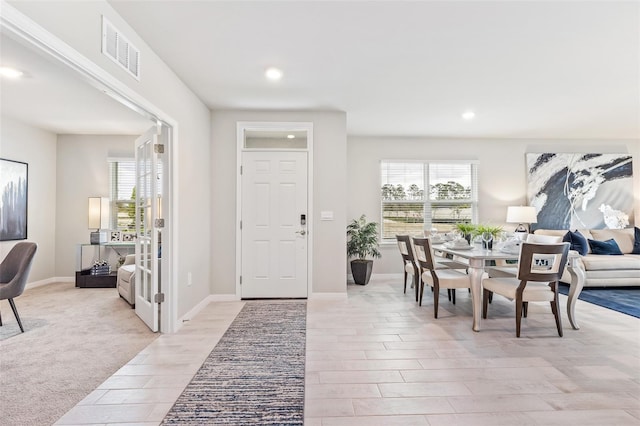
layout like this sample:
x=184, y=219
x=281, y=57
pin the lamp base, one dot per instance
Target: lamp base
x=522, y=228
x=98, y=237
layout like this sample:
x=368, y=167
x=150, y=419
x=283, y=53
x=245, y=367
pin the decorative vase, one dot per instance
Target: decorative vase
x=361, y=271
x=487, y=245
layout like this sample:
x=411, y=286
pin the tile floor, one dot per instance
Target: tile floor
x=377, y=358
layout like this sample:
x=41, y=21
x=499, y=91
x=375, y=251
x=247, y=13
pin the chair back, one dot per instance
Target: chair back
x=404, y=244
x=424, y=255
x=542, y=262
x=14, y=269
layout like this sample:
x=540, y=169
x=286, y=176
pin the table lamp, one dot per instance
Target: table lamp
x=98, y=219
x=523, y=216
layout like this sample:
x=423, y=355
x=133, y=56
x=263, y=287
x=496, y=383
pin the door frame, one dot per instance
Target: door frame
x=30, y=32
x=282, y=126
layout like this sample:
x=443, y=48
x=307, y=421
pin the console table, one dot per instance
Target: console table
x=88, y=254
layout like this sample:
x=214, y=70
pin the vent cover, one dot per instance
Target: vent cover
x=116, y=47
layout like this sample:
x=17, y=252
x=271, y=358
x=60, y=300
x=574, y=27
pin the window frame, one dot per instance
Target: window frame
x=426, y=201
x=113, y=185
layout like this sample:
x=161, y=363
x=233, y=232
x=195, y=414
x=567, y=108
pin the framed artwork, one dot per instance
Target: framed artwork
x=127, y=236
x=569, y=191
x=13, y=204
x=115, y=236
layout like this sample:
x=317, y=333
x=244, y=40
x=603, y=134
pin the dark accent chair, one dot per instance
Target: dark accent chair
x=539, y=269
x=14, y=271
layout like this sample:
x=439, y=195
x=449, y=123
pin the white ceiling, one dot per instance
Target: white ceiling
x=51, y=97
x=553, y=69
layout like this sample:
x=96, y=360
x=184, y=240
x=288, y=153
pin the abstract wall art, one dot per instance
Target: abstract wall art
x=569, y=191
x=13, y=200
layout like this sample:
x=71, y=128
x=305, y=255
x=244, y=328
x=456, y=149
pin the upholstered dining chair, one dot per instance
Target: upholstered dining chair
x=14, y=271
x=540, y=267
x=436, y=277
x=409, y=261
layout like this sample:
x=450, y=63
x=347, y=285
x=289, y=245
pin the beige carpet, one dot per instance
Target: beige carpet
x=74, y=339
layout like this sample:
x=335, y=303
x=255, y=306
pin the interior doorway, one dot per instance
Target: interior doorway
x=35, y=38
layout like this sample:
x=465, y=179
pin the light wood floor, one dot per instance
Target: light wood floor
x=376, y=358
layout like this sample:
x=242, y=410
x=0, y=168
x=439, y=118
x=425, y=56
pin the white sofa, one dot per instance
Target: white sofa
x=126, y=279
x=606, y=270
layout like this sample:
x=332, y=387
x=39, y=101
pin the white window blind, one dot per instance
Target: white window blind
x=122, y=194
x=420, y=195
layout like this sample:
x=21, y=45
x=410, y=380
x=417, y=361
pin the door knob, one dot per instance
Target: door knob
x=301, y=232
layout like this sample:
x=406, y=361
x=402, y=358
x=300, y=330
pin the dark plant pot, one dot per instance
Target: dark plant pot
x=361, y=271
x=490, y=245
x=468, y=238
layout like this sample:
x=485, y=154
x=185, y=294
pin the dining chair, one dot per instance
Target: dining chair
x=504, y=269
x=14, y=271
x=540, y=267
x=436, y=277
x=409, y=262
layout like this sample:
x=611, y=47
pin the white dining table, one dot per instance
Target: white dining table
x=478, y=257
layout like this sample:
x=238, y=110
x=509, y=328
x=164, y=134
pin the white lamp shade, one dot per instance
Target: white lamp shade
x=98, y=213
x=521, y=214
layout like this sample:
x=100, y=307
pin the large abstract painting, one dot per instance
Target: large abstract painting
x=13, y=204
x=569, y=191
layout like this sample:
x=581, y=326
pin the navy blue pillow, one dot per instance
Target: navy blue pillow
x=636, y=242
x=604, y=247
x=577, y=241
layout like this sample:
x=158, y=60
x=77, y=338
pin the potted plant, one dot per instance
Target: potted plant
x=466, y=229
x=491, y=229
x=362, y=242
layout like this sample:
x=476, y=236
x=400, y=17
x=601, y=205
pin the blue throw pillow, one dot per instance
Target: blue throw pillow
x=636, y=242
x=604, y=247
x=577, y=241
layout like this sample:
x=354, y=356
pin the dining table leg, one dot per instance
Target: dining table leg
x=575, y=288
x=476, y=270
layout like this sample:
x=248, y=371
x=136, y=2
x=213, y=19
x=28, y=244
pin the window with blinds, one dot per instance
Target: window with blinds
x=123, y=194
x=423, y=195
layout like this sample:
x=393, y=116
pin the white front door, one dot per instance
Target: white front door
x=274, y=224
x=148, y=182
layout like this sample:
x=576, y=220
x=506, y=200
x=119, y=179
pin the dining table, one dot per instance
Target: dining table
x=478, y=258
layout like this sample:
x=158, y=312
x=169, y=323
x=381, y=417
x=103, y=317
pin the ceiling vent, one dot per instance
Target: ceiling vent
x=116, y=47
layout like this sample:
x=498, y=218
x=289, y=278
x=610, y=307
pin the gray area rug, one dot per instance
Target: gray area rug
x=254, y=375
x=74, y=339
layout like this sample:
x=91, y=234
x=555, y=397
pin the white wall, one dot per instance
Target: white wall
x=79, y=25
x=37, y=148
x=329, y=193
x=82, y=172
x=501, y=173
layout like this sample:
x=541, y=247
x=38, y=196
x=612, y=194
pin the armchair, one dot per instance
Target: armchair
x=126, y=279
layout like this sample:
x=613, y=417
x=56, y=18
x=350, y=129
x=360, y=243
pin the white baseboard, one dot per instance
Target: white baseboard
x=203, y=304
x=52, y=280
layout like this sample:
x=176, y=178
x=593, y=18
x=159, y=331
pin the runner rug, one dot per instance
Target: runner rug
x=254, y=375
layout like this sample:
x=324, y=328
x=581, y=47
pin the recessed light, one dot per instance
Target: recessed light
x=273, y=73
x=468, y=115
x=291, y=136
x=10, y=72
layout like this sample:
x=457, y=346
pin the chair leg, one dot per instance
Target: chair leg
x=449, y=294
x=518, y=316
x=525, y=308
x=15, y=312
x=0, y=320
x=421, y=292
x=405, y=282
x=436, y=296
x=453, y=296
x=556, y=313
x=485, y=302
